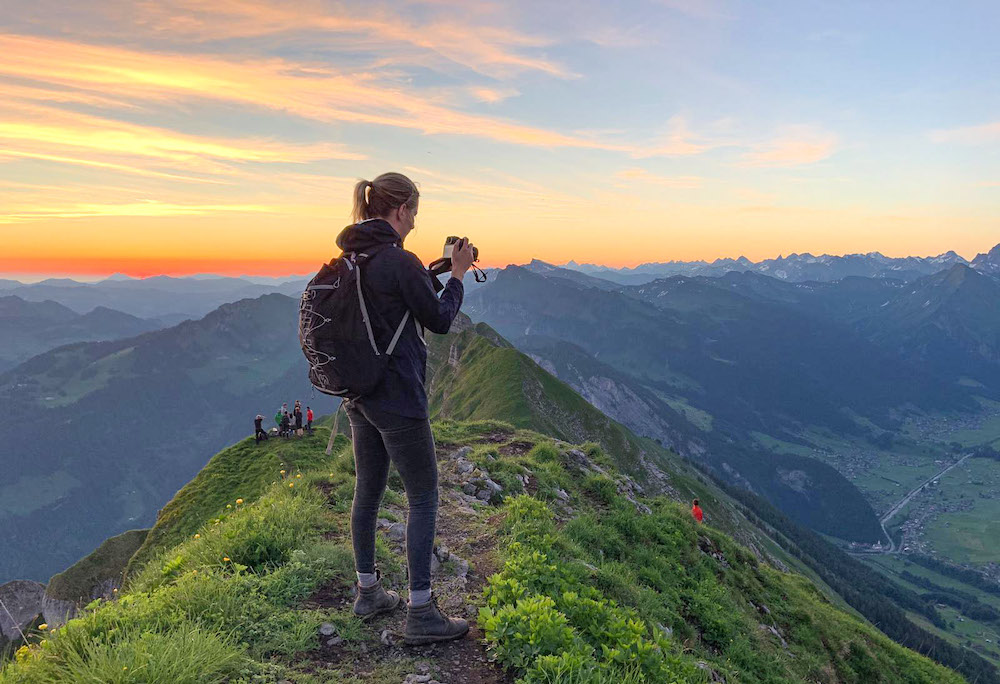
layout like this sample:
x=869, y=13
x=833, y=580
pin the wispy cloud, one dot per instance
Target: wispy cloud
x=984, y=134
x=442, y=35
x=701, y=9
x=639, y=175
x=492, y=95
x=50, y=128
x=798, y=145
x=679, y=141
x=487, y=187
x=312, y=91
x=148, y=208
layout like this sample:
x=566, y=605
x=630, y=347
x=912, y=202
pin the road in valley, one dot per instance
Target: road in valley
x=888, y=515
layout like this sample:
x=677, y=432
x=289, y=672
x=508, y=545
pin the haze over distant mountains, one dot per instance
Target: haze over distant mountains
x=97, y=435
x=722, y=369
x=30, y=328
x=754, y=375
x=799, y=267
x=153, y=297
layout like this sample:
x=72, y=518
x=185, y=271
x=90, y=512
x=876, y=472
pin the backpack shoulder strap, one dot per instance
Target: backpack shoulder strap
x=365, y=258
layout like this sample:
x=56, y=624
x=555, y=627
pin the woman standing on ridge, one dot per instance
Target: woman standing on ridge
x=391, y=423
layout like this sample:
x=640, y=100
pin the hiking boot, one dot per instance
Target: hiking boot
x=373, y=600
x=425, y=624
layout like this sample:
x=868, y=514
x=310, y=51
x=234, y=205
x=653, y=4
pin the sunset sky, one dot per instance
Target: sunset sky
x=186, y=136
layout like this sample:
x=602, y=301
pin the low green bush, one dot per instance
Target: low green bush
x=543, y=619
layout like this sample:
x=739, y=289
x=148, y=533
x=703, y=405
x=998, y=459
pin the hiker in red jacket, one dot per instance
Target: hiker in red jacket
x=696, y=511
x=309, y=420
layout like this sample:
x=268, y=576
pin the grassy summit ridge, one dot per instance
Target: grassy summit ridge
x=576, y=584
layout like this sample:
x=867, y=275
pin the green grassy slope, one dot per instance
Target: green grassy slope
x=106, y=562
x=580, y=589
x=474, y=374
x=243, y=471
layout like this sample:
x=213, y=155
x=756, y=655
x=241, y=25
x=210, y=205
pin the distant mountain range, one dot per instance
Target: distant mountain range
x=799, y=267
x=161, y=297
x=97, y=435
x=30, y=328
x=710, y=366
x=716, y=367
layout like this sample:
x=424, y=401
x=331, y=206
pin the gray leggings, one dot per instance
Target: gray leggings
x=378, y=438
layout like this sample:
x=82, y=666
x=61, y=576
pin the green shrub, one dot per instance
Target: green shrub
x=544, y=452
x=602, y=488
x=528, y=629
x=544, y=619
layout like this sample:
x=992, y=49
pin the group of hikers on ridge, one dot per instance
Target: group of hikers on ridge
x=286, y=423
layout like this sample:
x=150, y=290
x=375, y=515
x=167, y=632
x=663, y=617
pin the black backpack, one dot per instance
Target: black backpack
x=338, y=333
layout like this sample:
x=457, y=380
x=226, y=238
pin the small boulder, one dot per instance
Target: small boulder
x=470, y=488
x=484, y=494
x=327, y=629
x=461, y=453
x=397, y=531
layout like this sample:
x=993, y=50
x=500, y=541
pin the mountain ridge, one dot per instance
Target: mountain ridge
x=799, y=267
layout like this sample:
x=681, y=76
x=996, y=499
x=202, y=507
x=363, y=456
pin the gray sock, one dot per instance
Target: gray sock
x=367, y=579
x=419, y=597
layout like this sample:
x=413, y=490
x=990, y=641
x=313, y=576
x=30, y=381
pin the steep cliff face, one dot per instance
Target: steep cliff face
x=22, y=604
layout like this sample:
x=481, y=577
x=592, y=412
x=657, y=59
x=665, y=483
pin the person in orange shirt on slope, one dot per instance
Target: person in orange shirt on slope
x=696, y=511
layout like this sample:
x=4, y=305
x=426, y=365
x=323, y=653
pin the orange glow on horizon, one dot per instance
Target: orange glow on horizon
x=144, y=267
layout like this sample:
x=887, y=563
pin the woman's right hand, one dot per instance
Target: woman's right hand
x=461, y=258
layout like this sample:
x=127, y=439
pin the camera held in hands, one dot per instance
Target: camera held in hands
x=449, y=247
x=443, y=265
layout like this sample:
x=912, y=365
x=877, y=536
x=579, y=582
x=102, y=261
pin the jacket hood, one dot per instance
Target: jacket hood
x=366, y=234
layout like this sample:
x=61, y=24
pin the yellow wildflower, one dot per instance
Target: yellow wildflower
x=239, y=501
x=282, y=472
x=225, y=558
x=197, y=536
x=44, y=625
x=229, y=505
x=298, y=474
x=291, y=484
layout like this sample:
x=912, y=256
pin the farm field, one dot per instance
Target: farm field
x=969, y=536
x=983, y=636
x=884, y=476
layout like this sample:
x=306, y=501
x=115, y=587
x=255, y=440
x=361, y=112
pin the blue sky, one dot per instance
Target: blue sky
x=183, y=136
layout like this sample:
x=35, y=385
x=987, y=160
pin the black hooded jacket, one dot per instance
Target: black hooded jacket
x=395, y=281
